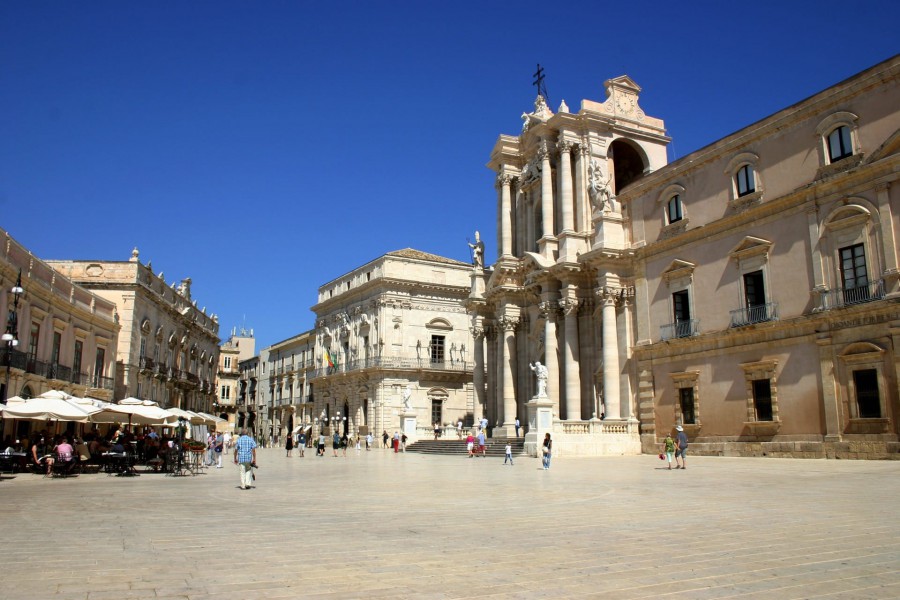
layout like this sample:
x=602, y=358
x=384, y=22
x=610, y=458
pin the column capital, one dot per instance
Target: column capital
x=548, y=309
x=569, y=306
x=504, y=179
x=543, y=152
x=614, y=295
x=564, y=146
x=478, y=332
x=508, y=323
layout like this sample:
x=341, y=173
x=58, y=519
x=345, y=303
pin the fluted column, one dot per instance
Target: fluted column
x=504, y=181
x=581, y=220
x=478, y=373
x=565, y=185
x=546, y=191
x=507, y=350
x=550, y=312
x=610, y=341
x=569, y=305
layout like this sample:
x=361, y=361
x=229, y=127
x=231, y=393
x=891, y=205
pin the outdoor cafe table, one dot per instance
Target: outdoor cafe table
x=13, y=461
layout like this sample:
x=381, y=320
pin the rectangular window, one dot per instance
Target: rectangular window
x=867, y=398
x=755, y=297
x=762, y=399
x=100, y=363
x=227, y=362
x=33, y=340
x=225, y=393
x=76, y=362
x=853, y=267
x=436, y=411
x=839, y=144
x=436, y=348
x=745, y=181
x=686, y=400
x=682, y=313
x=673, y=210
x=57, y=343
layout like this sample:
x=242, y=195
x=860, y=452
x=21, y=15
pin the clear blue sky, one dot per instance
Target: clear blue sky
x=265, y=148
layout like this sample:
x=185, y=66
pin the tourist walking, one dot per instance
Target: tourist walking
x=470, y=445
x=210, y=449
x=320, y=449
x=681, y=444
x=288, y=444
x=547, y=450
x=368, y=442
x=403, y=439
x=396, y=442
x=669, y=449
x=335, y=443
x=301, y=443
x=482, y=443
x=245, y=457
x=517, y=427
x=508, y=454
x=459, y=430
x=384, y=439
x=220, y=449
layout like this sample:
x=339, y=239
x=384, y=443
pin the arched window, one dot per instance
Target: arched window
x=838, y=137
x=746, y=187
x=673, y=209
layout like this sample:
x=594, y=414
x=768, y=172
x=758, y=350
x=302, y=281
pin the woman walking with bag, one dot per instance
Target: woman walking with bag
x=547, y=450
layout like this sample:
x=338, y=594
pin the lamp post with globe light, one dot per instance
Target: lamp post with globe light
x=10, y=337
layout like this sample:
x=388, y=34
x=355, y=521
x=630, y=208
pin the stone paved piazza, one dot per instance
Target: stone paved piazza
x=381, y=525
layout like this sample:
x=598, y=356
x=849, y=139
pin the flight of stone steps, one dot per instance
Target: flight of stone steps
x=495, y=446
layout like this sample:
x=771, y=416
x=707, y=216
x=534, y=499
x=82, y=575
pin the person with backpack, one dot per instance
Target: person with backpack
x=669, y=449
x=681, y=444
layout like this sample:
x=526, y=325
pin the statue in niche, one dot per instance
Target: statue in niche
x=542, y=376
x=407, y=394
x=477, y=251
x=601, y=193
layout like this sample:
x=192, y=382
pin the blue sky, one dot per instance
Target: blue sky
x=265, y=148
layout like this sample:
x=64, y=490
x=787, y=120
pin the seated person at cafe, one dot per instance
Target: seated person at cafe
x=64, y=451
x=39, y=457
x=82, y=451
x=117, y=447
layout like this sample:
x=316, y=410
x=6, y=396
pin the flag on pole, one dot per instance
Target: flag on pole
x=328, y=360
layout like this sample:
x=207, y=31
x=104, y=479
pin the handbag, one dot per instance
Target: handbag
x=545, y=450
x=662, y=456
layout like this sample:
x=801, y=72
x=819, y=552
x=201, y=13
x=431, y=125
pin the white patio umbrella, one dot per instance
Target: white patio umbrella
x=211, y=419
x=53, y=405
x=190, y=416
x=143, y=412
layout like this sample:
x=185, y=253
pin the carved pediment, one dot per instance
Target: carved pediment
x=750, y=246
x=679, y=269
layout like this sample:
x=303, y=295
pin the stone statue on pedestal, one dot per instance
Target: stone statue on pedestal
x=542, y=375
x=407, y=394
x=477, y=251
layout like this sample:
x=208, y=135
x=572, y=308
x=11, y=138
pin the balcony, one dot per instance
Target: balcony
x=680, y=329
x=102, y=383
x=396, y=362
x=754, y=314
x=147, y=364
x=841, y=297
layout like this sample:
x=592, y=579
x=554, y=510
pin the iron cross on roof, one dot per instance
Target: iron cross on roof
x=539, y=83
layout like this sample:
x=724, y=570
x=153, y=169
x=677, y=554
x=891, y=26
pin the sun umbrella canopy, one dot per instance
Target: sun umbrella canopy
x=53, y=405
x=188, y=415
x=143, y=412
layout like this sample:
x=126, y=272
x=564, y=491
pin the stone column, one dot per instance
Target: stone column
x=507, y=351
x=546, y=191
x=888, y=241
x=565, y=185
x=569, y=305
x=610, y=341
x=478, y=373
x=550, y=312
x=504, y=181
x=493, y=381
x=581, y=220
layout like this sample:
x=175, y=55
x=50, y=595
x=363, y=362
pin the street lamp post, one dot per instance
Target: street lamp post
x=12, y=331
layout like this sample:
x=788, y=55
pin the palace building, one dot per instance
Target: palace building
x=747, y=291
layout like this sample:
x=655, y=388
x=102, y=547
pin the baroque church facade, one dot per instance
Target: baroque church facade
x=747, y=292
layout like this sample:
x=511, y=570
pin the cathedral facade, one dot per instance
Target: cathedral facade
x=747, y=292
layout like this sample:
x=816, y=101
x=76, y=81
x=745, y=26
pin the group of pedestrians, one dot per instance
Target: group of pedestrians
x=675, y=447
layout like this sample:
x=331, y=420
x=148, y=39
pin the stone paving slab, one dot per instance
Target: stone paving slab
x=409, y=526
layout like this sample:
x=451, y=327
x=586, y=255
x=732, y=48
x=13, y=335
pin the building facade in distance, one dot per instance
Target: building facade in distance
x=237, y=347
x=392, y=347
x=167, y=347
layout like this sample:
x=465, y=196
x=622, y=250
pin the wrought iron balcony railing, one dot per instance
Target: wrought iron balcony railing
x=680, y=329
x=840, y=297
x=754, y=314
x=395, y=362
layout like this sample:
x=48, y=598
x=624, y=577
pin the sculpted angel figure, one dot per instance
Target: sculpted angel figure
x=601, y=193
x=407, y=394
